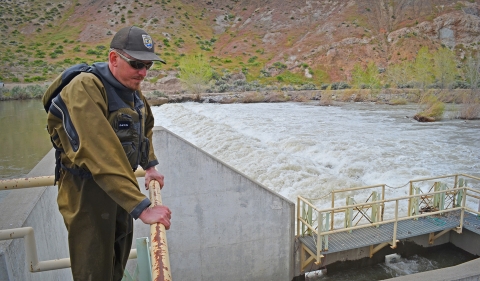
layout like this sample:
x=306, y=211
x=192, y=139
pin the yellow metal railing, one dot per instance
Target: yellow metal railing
x=41, y=181
x=160, y=263
x=316, y=222
x=158, y=237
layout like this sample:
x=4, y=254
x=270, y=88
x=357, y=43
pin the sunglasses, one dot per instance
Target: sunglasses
x=135, y=63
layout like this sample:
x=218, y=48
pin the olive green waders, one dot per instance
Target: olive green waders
x=95, y=222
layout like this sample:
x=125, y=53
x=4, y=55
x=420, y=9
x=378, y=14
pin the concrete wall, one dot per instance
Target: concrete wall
x=35, y=207
x=467, y=241
x=225, y=226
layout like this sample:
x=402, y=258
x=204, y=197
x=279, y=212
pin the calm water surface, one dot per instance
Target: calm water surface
x=23, y=139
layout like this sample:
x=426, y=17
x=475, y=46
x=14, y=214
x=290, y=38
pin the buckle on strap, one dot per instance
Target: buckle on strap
x=58, y=163
x=78, y=172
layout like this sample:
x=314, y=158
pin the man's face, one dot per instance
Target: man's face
x=122, y=69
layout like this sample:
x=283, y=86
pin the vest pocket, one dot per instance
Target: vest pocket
x=131, y=152
x=144, y=152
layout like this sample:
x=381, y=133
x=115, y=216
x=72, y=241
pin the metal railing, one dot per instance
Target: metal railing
x=318, y=223
x=152, y=261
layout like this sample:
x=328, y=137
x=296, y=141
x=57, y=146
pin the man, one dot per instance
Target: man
x=102, y=126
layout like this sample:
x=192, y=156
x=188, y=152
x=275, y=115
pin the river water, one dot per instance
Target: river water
x=308, y=150
x=24, y=139
x=291, y=148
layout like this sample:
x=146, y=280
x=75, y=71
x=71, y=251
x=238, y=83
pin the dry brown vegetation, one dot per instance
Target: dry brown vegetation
x=326, y=99
x=362, y=95
x=398, y=101
x=470, y=108
x=276, y=97
x=346, y=95
x=253, y=97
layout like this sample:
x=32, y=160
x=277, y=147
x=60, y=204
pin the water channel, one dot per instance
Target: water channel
x=293, y=149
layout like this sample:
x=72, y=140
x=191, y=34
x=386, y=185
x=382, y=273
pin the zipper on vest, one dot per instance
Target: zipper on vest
x=140, y=117
x=74, y=142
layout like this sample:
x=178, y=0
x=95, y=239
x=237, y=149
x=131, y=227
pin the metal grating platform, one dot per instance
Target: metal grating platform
x=358, y=238
x=471, y=222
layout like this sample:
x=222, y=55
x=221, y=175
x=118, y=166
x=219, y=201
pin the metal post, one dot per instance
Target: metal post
x=455, y=188
x=410, y=200
x=383, y=204
x=416, y=204
x=304, y=216
x=443, y=186
x=325, y=237
x=462, y=213
x=159, y=250
x=459, y=197
x=309, y=217
x=319, y=236
x=395, y=226
x=144, y=261
x=333, y=212
x=298, y=216
x=349, y=213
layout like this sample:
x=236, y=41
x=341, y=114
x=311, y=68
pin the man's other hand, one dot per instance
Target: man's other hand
x=152, y=174
x=161, y=214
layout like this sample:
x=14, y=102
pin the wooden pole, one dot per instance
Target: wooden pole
x=158, y=236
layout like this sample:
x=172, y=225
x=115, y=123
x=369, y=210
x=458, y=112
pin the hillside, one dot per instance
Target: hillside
x=320, y=41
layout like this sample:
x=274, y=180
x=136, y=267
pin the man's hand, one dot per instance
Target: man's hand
x=161, y=214
x=152, y=174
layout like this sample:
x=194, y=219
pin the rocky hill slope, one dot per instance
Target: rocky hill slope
x=321, y=40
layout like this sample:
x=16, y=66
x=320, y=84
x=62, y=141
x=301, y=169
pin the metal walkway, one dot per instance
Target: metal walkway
x=364, y=237
x=435, y=207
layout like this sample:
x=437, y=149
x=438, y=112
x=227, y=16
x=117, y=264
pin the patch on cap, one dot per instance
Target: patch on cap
x=147, y=41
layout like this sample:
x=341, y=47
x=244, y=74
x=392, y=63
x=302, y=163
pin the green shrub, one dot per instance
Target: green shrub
x=18, y=93
x=291, y=78
x=431, y=108
x=252, y=59
x=94, y=52
x=35, y=91
x=280, y=65
x=4, y=94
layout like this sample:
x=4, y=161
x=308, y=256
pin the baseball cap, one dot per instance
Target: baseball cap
x=135, y=42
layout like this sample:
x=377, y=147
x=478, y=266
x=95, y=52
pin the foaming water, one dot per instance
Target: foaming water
x=303, y=149
x=404, y=266
x=401, y=267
